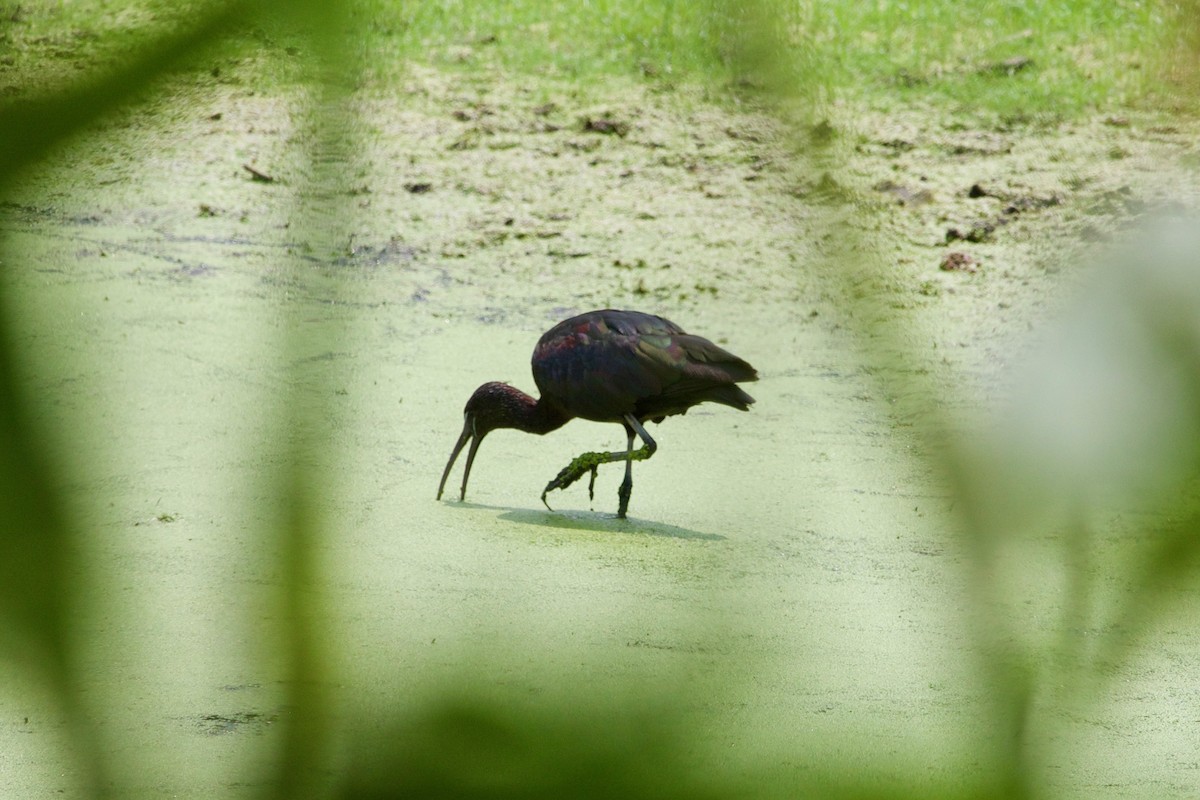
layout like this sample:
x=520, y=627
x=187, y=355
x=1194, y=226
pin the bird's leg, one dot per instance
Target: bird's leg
x=627, y=484
x=589, y=462
x=647, y=450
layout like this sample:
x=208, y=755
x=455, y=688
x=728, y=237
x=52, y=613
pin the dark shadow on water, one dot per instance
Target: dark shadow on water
x=595, y=521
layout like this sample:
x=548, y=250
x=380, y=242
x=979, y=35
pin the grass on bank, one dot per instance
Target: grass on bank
x=1017, y=60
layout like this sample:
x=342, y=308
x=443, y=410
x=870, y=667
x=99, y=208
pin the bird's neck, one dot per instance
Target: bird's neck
x=532, y=416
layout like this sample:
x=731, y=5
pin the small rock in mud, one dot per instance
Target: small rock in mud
x=958, y=261
x=606, y=125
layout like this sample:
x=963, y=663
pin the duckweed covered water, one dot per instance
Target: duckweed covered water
x=790, y=579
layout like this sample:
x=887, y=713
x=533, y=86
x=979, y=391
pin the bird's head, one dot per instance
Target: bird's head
x=490, y=407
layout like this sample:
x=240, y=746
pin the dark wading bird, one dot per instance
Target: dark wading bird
x=606, y=366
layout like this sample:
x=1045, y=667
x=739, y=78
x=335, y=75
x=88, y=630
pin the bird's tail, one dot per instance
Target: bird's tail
x=730, y=395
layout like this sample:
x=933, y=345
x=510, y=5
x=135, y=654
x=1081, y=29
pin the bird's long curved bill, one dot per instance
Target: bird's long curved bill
x=468, y=433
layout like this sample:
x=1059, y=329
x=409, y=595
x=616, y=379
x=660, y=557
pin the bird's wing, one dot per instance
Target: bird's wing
x=605, y=364
x=596, y=376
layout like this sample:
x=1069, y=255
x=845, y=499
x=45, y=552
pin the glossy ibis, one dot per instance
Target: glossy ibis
x=606, y=366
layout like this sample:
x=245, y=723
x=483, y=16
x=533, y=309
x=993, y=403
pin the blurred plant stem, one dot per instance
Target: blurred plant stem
x=37, y=567
x=38, y=538
x=36, y=582
x=322, y=215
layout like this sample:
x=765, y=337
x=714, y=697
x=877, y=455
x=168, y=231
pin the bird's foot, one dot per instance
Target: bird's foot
x=588, y=462
x=623, y=496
